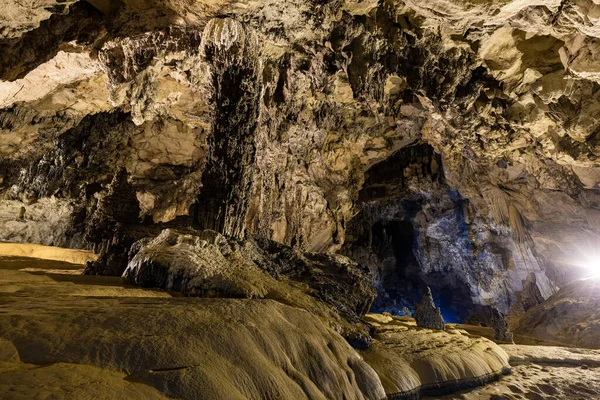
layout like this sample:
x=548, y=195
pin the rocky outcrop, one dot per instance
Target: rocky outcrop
x=502, y=332
x=116, y=208
x=206, y=264
x=50, y=221
x=570, y=317
x=78, y=22
x=427, y=315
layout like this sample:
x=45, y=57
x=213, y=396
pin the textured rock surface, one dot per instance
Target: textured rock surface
x=543, y=372
x=571, y=316
x=427, y=315
x=206, y=264
x=469, y=126
x=501, y=329
x=19, y=380
x=413, y=361
x=183, y=347
x=65, y=326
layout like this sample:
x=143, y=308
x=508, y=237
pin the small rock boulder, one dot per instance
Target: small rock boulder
x=427, y=314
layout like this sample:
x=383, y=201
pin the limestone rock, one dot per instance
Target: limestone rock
x=206, y=264
x=447, y=144
x=569, y=317
x=412, y=361
x=427, y=314
x=501, y=330
x=277, y=119
x=169, y=346
x=118, y=207
x=195, y=267
x=231, y=49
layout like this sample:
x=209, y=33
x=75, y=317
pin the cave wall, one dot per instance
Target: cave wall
x=414, y=230
x=294, y=121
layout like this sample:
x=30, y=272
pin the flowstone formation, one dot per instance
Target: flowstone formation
x=95, y=338
x=452, y=145
x=101, y=340
x=412, y=361
x=206, y=264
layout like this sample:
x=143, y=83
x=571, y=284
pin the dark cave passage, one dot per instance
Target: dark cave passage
x=447, y=299
x=400, y=284
x=384, y=234
x=403, y=284
x=402, y=233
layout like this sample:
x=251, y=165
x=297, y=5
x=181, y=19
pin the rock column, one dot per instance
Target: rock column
x=231, y=49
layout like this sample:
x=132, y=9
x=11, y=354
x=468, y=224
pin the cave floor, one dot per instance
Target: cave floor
x=538, y=381
x=539, y=372
x=488, y=333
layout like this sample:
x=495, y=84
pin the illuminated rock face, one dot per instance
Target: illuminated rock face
x=207, y=264
x=448, y=145
x=570, y=317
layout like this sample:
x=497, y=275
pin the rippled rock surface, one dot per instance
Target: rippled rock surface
x=172, y=347
x=412, y=361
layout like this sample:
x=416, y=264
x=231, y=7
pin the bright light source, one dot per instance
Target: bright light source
x=585, y=259
x=593, y=267
x=590, y=263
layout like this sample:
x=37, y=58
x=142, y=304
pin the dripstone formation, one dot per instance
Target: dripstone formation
x=501, y=329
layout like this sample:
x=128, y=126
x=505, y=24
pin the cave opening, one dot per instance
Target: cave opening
x=400, y=285
x=445, y=299
x=401, y=235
